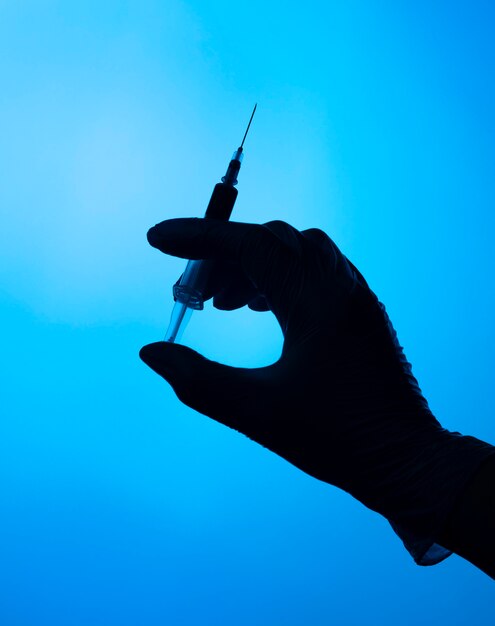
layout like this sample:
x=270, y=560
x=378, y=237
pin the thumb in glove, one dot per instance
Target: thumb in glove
x=230, y=395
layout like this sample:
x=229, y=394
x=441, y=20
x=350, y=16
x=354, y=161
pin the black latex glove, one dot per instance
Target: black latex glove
x=341, y=403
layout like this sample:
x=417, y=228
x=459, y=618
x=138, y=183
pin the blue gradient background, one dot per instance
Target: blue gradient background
x=120, y=506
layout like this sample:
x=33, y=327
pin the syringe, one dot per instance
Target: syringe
x=188, y=292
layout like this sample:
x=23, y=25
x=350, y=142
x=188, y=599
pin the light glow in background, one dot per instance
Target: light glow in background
x=119, y=505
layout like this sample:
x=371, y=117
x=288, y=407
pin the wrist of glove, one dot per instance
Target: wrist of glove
x=341, y=403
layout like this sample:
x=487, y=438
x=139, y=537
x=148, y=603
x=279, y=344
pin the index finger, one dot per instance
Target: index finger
x=252, y=246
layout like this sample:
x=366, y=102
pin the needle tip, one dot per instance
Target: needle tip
x=250, y=120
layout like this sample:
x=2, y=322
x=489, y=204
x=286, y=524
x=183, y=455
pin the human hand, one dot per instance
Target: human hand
x=341, y=403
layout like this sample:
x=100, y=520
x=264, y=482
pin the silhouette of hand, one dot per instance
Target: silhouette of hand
x=341, y=403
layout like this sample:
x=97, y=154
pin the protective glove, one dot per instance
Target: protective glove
x=341, y=403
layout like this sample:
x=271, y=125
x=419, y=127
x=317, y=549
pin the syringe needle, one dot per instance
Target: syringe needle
x=250, y=120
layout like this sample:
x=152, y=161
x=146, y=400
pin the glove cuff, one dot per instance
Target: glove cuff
x=430, y=490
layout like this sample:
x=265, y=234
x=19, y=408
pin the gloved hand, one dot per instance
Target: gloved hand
x=341, y=403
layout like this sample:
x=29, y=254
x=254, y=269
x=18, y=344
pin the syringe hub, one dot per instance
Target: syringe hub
x=230, y=177
x=238, y=155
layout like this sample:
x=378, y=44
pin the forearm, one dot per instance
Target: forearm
x=470, y=529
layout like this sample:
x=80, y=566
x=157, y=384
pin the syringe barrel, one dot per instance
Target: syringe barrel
x=189, y=291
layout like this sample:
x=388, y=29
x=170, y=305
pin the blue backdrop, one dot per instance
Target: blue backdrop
x=120, y=506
